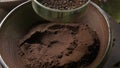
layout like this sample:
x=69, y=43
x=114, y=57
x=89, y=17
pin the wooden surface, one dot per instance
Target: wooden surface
x=114, y=56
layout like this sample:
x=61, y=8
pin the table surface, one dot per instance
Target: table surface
x=114, y=56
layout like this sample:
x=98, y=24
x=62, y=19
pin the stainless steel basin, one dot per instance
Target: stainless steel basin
x=20, y=20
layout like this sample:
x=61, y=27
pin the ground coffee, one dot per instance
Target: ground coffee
x=58, y=45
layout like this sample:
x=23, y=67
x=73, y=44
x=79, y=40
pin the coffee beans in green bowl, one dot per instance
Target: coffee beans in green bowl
x=63, y=4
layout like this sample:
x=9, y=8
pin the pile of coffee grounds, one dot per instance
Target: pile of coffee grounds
x=57, y=45
x=63, y=4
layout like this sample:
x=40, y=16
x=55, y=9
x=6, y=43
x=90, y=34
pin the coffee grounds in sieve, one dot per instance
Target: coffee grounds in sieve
x=63, y=4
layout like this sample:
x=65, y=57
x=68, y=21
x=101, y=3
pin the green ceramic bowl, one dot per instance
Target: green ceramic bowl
x=58, y=15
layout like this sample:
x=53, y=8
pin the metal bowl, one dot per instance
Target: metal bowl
x=58, y=15
x=20, y=20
